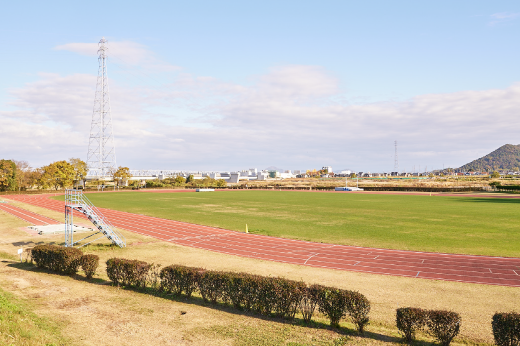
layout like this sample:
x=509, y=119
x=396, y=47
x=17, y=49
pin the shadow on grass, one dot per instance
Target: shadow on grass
x=494, y=200
x=220, y=306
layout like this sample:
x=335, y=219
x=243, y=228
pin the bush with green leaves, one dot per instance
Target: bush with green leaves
x=212, y=285
x=332, y=303
x=409, y=321
x=506, y=328
x=358, y=308
x=89, y=264
x=263, y=295
x=65, y=260
x=127, y=272
x=177, y=279
x=309, y=302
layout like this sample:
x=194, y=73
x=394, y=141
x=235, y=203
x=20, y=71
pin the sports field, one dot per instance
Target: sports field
x=482, y=226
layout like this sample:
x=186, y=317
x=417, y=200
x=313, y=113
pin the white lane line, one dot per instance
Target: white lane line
x=310, y=258
x=19, y=212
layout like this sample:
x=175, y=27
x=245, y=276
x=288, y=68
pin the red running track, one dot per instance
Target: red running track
x=28, y=216
x=451, y=267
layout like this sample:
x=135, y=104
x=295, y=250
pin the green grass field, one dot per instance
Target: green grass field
x=483, y=226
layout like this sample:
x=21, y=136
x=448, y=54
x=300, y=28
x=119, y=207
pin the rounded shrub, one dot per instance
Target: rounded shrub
x=506, y=328
x=443, y=325
x=409, y=321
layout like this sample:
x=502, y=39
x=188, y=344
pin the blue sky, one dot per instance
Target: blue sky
x=234, y=84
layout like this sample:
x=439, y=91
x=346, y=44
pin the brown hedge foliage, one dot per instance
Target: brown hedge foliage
x=126, y=272
x=263, y=295
x=443, y=325
x=212, y=285
x=409, y=321
x=89, y=264
x=177, y=279
x=506, y=328
x=60, y=259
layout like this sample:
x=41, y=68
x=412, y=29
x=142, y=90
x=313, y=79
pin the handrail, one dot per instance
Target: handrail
x=75, y=199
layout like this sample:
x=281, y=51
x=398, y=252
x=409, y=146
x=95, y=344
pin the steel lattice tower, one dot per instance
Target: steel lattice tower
x=101, y=157
x=396, y=160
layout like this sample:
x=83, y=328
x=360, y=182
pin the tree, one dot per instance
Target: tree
x=179, y=181
x=189, y=179
x=80, y=169
x=221, y=183
x=58, y=174
x=7, y=175
x=495, y=174
x=23, y=171
x=122, y=174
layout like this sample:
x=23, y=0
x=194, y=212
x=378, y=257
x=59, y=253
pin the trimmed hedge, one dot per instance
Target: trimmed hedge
x=259, y=294
x=409, y=321
x=335, y=303
x=89, y=264
x=65, y=260
x=128, y=272
x=177, y=279
x=443, y=325
x=212, y=285
x=332, y=303
x=506, y=328
x=309, y=302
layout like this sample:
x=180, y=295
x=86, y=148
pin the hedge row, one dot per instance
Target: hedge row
x=506, y=328
x=440, y=324
x=259, y=294
x=65, y=260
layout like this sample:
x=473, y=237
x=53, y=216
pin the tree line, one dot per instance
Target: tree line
x=20, y=176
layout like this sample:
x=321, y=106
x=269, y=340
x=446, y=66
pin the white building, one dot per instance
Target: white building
x=327, y=168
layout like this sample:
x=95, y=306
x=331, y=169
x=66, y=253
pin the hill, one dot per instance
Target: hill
x=506, y=158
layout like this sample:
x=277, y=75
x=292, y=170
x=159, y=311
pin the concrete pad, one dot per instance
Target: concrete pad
x=58, y=229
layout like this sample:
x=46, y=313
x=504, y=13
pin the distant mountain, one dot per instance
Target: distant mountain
x=506, y=158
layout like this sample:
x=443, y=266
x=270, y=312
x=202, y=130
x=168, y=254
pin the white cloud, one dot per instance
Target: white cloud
x=503, y=17
x=288, y=117
x=126, y=52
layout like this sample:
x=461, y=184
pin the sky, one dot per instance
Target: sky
x=230, y=85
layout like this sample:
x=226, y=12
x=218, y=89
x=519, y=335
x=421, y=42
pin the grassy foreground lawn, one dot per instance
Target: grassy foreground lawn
x=481, y=226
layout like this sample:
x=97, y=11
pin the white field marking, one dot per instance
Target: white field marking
x=490, y=270
x=417, y=274
x=27, y=215
x=515, y=272
x=200, y=237
x=311, y=257
x=422, y=262
x=376, y=257
x=357, y=263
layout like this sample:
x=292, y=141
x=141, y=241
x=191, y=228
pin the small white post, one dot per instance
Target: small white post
x=20, y=252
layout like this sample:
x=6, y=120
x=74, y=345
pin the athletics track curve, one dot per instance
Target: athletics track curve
x=438, y=266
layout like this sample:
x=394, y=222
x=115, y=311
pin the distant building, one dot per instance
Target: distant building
x=327, y=168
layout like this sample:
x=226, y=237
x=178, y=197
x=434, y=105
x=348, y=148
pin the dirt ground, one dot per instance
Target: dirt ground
x=97, y=313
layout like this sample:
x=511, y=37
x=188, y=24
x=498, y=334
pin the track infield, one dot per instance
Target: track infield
x=438, y=266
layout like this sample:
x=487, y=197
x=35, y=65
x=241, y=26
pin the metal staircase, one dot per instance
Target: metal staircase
x=76, y=200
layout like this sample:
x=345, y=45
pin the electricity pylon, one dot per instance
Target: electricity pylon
x=101, y=157
x=396, y=160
